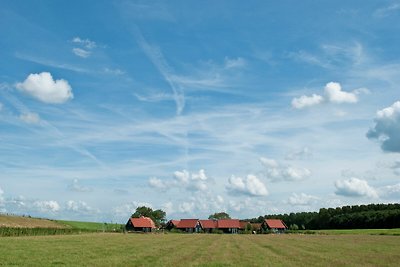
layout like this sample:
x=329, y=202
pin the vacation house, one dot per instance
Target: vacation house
x=274, y=225
x=189, y=225
x=142, y=224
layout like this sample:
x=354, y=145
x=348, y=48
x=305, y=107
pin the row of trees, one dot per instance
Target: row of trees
x=347, y=217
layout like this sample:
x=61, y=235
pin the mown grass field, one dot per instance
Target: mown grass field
x=115, y=249
x=95, y=226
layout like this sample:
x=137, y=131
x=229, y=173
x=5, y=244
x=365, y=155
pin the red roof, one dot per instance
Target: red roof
x=275, y=223
x=143, y=222
x=228, y=223
x=243, y=224
x=174, y=222
x=208, y=224
x=187, y=223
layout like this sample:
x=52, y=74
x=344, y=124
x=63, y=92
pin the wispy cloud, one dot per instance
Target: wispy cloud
x=387, y=10
x=157, y=58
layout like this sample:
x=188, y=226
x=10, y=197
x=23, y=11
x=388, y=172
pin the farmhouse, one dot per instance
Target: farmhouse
x=208, y=225
x=189, y=225
x=142, y=224
x=274, y=225
x=231, y=226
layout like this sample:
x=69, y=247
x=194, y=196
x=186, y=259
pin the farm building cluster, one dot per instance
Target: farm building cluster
x=231, y=226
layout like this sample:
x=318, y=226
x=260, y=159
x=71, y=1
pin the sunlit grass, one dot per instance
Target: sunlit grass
x=201, y=250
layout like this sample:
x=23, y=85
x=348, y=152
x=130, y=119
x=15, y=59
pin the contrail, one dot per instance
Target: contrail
x=156, y=56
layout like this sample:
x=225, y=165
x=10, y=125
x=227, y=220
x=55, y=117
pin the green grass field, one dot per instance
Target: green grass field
x=115, y=249
x=94, y=226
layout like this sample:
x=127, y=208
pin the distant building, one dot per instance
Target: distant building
x=142, y=224
x=208, y=225
x=172, y=224
x=274, y=225
x=231, y=226
x=189, y=225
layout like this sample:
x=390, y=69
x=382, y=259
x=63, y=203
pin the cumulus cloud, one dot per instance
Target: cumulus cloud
x=127, y=209
x=307, y=101
x=335, y=94
x=280, y=172
x=30, y=118
x=250, y=185
x=46, y=206
x=234, y=63
x=182, y=179
x=301, y=199
x=42, y=87
x=355, y=187
x=80, y=207
x=387, y=128
x=77, y=187
x=81, y=52
x=186, y=207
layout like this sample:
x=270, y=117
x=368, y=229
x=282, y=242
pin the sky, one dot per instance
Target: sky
x=197, y=107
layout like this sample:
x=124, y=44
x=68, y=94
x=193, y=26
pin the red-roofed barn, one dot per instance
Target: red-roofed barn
x=142, y=224
x=274, y=225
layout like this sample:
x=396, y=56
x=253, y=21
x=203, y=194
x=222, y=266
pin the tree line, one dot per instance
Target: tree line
x=372, y=216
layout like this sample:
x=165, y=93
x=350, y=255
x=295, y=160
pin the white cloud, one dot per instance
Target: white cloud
x=182, y=179
x=387, y=128
x=77, y=187
x=42, y=87
x=84, y=42
x=186, y=207
x=390, y=191
x=31, y=118
x=250, y=185
x=355, y=187
x=157, y=183
x=1, y=106
x=278, y=172
x=2, y=202
x=81, y=52
x=114, y=71
x=307, y=101
x=301, y=199
x=80, y=207
x=335, y=94
x=46, y=206
x=303, y=153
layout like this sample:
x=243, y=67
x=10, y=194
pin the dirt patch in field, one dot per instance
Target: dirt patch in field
x=26, y=222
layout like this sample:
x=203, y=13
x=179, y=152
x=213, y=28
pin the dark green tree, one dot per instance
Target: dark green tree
x=219, y=216
x=158, y=216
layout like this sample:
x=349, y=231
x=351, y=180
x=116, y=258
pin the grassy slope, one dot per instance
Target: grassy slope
x=201, y=250
x=26, y=222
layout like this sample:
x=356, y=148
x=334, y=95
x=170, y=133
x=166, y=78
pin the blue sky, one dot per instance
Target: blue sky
x=197, y=107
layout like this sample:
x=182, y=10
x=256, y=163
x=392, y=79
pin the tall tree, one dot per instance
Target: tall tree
x=219, y=216
x=158, y=216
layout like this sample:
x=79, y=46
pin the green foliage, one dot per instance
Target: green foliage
x=294, y=227
x=372, y=216
x=158, y=216
x=219, y=216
